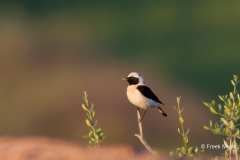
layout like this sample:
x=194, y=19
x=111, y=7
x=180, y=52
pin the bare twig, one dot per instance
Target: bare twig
x=140, y=136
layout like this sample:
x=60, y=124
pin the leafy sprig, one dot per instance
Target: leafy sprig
x=184, y=151
x=95, y=136
x=229, y=112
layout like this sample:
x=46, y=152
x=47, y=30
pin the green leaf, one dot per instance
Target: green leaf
x=207, y=128
x=84, y=95
x=90, y=134
x=231, y=95
x=92, y=106
x=180, y=155
x=219, y=107
x=103, y=137
x=210, y=124
x=196, y=150
x=227, y=112
x=89, y=114
x=235, y=77
x=181, y=120
x=236, y=132
x=229, y=102
x=224, y=121
x=100, y=133
x=179, y=131
x=227, y=131
x=183, y=149
x=86, y=136
x=95, y=123
x=90, y=142
x=88, y=123
x=178, y=99
x=96, y=136
x=185, y=139
x=225, y=143
x=182, y=109
x=216, y=132
x=190, y=151
x=187, y=132
x=171, y=154
x=84, y=107
x=99, y=130
x=206, y=104
x=238, y=104
x=213, y=103
x=175, y=108
x=92, y=113
x=213, y=110
x=221, y=98
x=236, y=82
x=216, y=125
x=232, y=82
x=225, y=97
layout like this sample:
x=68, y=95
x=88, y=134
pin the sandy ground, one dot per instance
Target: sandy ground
x=41, y=148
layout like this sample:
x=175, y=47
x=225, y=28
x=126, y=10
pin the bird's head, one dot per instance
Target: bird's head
x=134, y=78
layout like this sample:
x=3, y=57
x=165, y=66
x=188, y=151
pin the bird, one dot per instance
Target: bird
x=140, y=95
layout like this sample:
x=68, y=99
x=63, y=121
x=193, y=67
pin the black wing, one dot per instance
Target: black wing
x=147, y=92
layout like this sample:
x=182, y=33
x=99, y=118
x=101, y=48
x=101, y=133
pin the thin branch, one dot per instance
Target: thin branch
x=235, y=147
x=140, y=136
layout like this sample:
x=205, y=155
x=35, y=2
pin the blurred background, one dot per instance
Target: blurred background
x=53, y=51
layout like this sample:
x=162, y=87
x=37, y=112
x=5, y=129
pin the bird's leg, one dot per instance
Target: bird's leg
x=136, y=108
x=142, y=116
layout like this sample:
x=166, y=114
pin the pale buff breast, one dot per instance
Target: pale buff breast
x=136, y=98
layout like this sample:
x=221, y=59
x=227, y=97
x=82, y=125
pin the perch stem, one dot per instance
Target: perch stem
x=140, y=136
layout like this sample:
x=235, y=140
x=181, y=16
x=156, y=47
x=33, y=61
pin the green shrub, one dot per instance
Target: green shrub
x=95, y=136
x=190, y=152
x=229, y=112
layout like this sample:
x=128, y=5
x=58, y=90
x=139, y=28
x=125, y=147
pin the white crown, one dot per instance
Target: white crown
x=134, y=74
x=137, y=75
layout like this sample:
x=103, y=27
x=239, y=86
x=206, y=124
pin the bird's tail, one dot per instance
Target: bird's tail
x=161, y=111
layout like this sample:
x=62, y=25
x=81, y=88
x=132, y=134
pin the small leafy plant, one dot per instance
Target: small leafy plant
x=229, y=112
x=185, y=151
x=95, y=136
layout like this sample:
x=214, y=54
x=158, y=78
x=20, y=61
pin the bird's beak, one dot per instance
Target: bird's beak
x=125, y=79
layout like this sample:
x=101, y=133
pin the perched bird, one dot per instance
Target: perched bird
x=141, y=95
